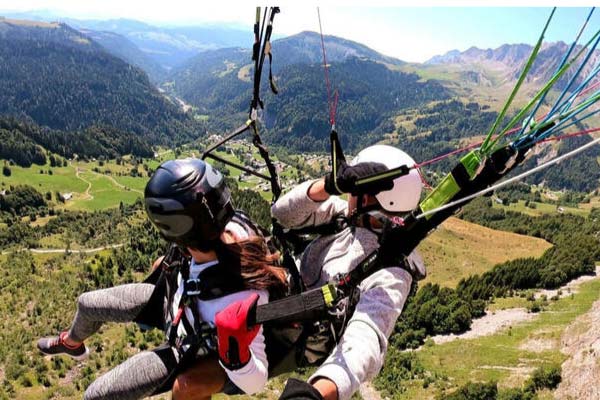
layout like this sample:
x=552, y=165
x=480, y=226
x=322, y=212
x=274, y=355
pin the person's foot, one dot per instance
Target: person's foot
x=56, y=345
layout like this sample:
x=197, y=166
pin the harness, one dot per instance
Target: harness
x=178, y=285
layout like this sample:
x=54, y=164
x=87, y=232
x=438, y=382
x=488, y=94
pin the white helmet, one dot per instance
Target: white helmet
x=406, y=193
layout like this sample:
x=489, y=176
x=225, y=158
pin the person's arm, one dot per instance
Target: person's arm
x=310, y=203
x=317, y=192
x=245, y=361
x=307, y=205
x=359, y=355
x=252, y=377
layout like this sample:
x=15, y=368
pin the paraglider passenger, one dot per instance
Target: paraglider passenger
x=231, y=270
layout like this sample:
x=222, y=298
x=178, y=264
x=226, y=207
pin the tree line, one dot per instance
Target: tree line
x=440, y=310
x=25, y=143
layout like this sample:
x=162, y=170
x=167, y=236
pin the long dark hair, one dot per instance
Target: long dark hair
x=252, y=261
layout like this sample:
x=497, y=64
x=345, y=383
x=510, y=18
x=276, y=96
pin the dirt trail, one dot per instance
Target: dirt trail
x=86, y=194
x=53, y=251
x=117, y=184
x=489, y=324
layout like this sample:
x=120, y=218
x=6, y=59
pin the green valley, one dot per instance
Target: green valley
x=89, y=109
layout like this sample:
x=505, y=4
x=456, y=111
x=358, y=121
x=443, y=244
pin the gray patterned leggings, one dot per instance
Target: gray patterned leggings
x=140, y=375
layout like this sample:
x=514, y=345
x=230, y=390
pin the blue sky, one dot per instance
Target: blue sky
x=409, y=33
x=415, y=34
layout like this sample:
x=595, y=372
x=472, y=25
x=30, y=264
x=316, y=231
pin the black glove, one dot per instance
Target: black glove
x=299, y=390
x=348, y=175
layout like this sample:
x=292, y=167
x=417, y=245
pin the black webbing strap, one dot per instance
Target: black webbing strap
x=256, y=46
x=461, y=175
x=337, y=153
x=213, y=282
x=163, y=279
x=300, y=307
x=362, y=185
x=267, y=50
x=264, y=153
x=259, y=59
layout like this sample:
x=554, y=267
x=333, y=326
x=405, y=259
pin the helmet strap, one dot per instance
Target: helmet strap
x=361, y=217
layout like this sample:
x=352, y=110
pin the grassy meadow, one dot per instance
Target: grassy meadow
x=459, y=249
x=507, y=357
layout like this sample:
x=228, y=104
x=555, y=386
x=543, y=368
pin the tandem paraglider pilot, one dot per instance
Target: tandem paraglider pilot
x=358, y=354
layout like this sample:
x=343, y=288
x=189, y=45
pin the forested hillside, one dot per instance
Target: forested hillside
x=123, y=48
x=24, y=143
x=369, y=95
x=59, y=78
x=210, y=81
x=440, y=128
x=581, y=173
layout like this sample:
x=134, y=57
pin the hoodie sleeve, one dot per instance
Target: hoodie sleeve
x=296, y=210
x=360, y=354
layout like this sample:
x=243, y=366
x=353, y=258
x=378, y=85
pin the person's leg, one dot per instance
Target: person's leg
x=117, y=304
x=120, y=304
x=203, y=379
x=136, y=378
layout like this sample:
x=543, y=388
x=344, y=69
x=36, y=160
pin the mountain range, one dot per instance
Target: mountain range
x=165, y=46
x=508, y=60
x=373, y=88
x=57, y=77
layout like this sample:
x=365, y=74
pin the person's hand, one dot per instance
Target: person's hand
x=347, y=175
x=296, y=389
x=233, y=334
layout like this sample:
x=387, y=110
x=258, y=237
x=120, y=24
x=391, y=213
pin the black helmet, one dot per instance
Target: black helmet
x=188, y=202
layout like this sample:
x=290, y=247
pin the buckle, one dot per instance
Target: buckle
x=192, y=287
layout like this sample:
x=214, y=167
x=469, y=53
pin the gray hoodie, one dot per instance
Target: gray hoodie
x=360, y=353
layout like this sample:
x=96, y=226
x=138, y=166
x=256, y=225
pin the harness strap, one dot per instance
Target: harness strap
x=304, y=306
x=260, y=58
x=213, y=283
x=271, y=79
x=338, y=224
